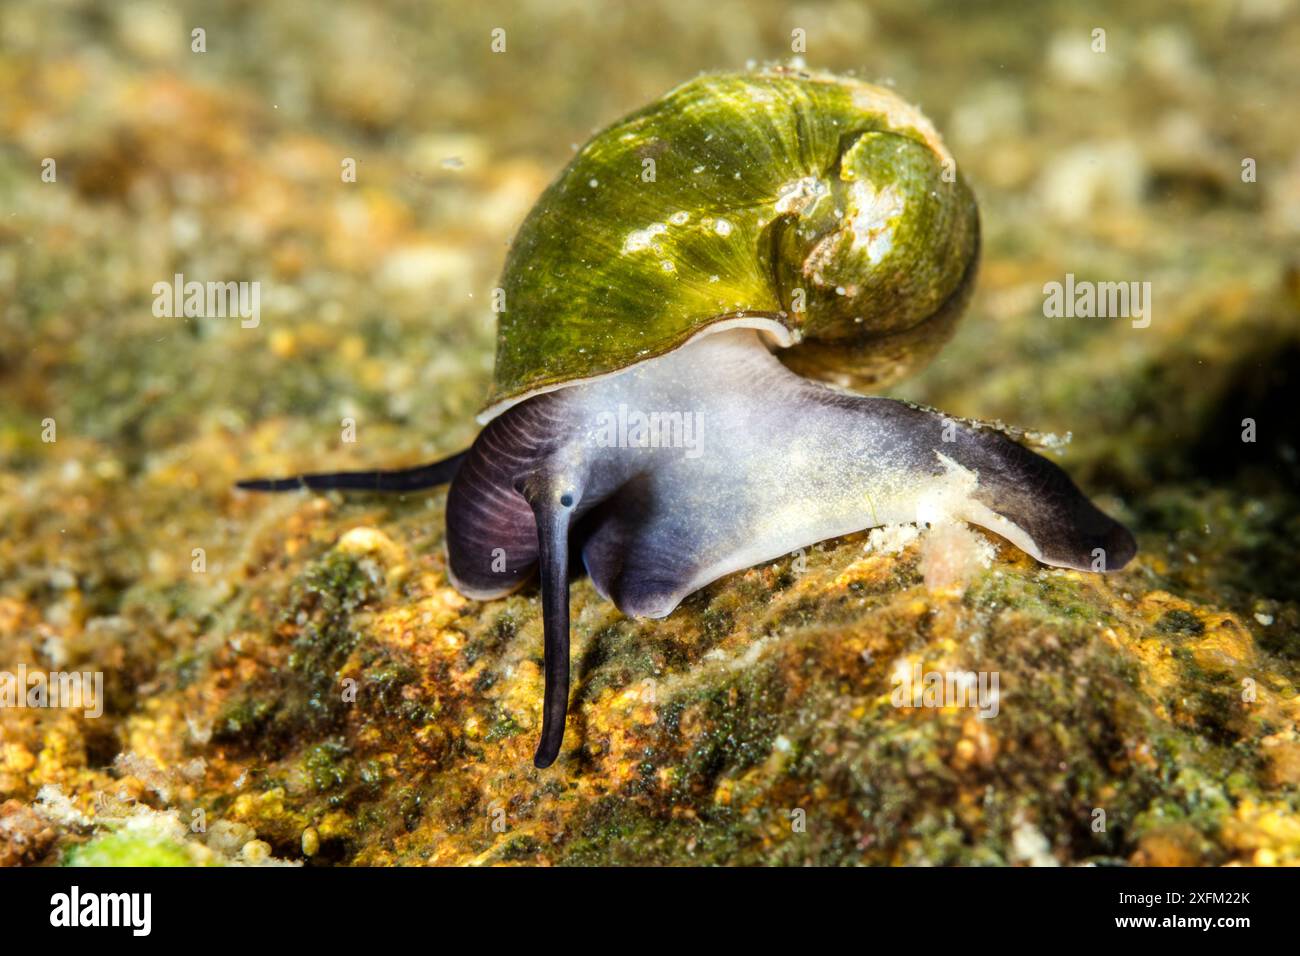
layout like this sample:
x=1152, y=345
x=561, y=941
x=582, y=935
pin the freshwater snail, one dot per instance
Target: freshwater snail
x=660, y=405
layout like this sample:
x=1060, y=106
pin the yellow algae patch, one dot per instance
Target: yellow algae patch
x=1282, y=756
x=369, y=541
x=15, y=758
x=637, y=702
x=612, y=724
x=334, y=825
x=441, y=606
x=521, y=692
x=1225, y=647
x=1178, y=844
x=263, y=807
x=1265, y=834
x=1159, y=668
x=422, y=624
x=874, y=571
x=978, y=746
x=284, y=344
x=397, y=627
x=58, y=758
x=15, y=615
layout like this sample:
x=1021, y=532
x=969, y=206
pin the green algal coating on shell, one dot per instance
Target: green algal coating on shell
x=822, y=207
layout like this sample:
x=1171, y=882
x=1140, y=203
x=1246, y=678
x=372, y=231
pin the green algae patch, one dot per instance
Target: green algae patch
x=128, y=849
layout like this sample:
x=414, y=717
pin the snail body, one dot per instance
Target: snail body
x=663, y=402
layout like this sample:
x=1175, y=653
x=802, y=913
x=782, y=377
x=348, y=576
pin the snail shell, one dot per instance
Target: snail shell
x=824, y=211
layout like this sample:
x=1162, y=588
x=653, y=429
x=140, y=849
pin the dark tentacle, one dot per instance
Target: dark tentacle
x=402, y=479
x=553, y=508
